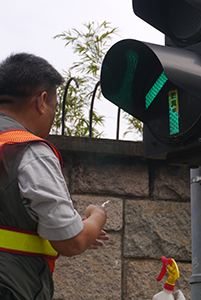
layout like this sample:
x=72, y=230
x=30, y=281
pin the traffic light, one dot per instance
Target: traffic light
x=161, y=85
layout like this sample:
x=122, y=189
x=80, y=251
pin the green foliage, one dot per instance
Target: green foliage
x=133, y=124
x=90, y=46
x=76, y=111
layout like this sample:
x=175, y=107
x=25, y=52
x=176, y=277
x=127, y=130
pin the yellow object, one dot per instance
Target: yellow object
x=173, y=271
x=170, y=266
x=25, y=243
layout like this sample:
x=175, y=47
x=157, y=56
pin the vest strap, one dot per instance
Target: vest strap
x=25, y=242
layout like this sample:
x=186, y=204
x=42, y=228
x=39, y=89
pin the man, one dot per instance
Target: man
x=37, y=218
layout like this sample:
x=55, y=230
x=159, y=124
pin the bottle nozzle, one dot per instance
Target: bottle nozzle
x=170, y=266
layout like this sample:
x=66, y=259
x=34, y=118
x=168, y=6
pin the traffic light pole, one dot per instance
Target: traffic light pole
x=195, y=279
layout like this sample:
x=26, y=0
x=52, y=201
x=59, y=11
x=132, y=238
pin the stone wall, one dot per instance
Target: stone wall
x=148, y=216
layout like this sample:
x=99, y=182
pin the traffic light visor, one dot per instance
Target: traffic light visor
x=131, y=72
x=178, y=19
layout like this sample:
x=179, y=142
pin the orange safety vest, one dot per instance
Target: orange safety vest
x=20, y=241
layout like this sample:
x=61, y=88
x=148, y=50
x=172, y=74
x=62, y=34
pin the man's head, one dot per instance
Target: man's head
x=23, y=75
x=27, y=89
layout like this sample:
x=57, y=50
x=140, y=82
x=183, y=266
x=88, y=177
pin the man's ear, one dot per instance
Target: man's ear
x=40, y=102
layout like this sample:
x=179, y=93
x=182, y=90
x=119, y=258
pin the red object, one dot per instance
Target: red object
x=166, y=262
x=169, y=287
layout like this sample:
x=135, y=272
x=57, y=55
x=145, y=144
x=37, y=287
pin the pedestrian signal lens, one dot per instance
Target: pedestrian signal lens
x=155, y=89
x=184, y=22
x=173, y=112
x=125, y=91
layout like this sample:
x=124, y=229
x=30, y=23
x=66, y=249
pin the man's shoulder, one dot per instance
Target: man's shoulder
x=7, y=123
x=37, y=152
x=39, y=149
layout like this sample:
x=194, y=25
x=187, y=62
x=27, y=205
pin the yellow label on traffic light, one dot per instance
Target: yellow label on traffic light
x=173, y=111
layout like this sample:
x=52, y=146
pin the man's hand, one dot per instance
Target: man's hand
x=88, y=237
x=91, y=209
x=102, y=236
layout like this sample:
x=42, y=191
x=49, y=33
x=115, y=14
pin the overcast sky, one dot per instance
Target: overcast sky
x=31, y=25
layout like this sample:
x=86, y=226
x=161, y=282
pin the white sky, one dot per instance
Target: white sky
x=30, y=26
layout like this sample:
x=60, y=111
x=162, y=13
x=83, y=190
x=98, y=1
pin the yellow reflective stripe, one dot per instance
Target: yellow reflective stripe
x=19, y=241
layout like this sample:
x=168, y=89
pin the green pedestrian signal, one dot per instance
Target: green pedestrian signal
x=174, y=112
x=155, y=89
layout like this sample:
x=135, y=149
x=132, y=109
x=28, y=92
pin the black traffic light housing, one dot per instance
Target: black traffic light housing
x=180, y=20
x=160, y=85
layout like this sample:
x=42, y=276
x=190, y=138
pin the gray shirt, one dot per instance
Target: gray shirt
x=45, y=194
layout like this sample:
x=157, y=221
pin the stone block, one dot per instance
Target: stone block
x=110, y=175
x=95, y=274
x=141, y=283
x=114, y=209
x=170, y=182
x=157, y=228
x=67, y=166
x=73, y=144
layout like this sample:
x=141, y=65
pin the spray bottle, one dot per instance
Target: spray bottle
x=170, y=266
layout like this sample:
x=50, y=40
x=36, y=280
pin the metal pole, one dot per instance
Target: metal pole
x=64, y=102
x=118, y=122
x=91, y=109
x=195, y=279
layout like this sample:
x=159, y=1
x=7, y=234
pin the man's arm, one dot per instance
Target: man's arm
x=93, y=225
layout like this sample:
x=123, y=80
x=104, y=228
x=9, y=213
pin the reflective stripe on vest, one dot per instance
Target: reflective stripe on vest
x=25, y=242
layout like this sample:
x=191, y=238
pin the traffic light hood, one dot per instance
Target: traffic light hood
x=178, y=19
